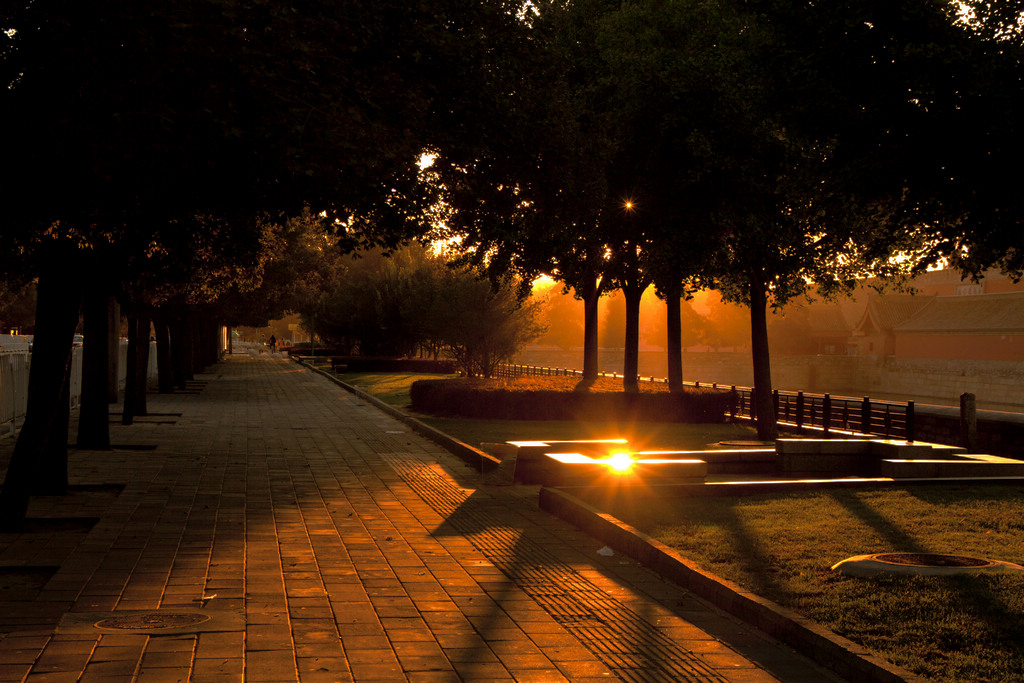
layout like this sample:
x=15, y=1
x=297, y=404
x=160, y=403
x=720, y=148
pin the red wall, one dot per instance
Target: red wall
x=960, y=346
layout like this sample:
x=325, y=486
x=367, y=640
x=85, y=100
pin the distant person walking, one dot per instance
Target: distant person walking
x=272, y=343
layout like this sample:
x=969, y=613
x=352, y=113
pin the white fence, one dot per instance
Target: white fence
x=14, y=367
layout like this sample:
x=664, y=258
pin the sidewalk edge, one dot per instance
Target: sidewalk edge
x=834, y=652
x=476, y=458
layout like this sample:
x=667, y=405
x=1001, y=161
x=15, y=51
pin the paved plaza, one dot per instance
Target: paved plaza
x=267, y=525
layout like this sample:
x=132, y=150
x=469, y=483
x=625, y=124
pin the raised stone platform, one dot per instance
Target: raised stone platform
x=609, y=462
x=531, y=463
x=888, y=458
x=962, y=465
x=621, y=469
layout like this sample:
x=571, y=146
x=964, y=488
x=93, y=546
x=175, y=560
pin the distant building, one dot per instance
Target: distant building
x=980, y=327
x=946, y=318
x=874, y=333
x=830, y=326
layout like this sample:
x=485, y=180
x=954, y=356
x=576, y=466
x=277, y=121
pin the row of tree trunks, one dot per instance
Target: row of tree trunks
x=591, y=295
x=93, y=417
x=136, y=371
x=767, y=429
x=184, y=343
x=164, y=370
x=674, y=340
x=113, y=342
x=633, y=292
x=182, y=352
x=39, y=461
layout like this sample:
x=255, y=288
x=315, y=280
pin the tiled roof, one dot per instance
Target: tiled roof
x=828, y=320
x=887, y=312
x=985, y=313
x=891, y=311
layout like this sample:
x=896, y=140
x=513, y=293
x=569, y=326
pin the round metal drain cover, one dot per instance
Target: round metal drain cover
x=155, y=620
x=929, y=560
x=925, y=564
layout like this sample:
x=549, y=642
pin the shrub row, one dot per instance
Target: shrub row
x=464, y=398
x=410, y=365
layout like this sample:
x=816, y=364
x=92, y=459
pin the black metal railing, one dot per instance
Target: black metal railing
x=834, y=414
x=511, y=370
x=830, y=415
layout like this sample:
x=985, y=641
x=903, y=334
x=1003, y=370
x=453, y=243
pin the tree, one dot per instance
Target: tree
x=391, y=303
x=525, y=193
x=836, y=144
x=773, y=141
x=363, y=311
x=138, y=125
x=958, y=184
x=481, y=325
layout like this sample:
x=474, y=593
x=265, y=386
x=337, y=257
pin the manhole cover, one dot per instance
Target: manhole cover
x=928, y=560
x=925, y=564
x=153, y=621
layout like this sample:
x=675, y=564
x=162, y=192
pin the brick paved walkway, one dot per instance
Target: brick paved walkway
x=273, y=527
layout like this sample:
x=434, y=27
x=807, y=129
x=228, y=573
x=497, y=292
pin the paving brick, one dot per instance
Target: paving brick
x=349, y=549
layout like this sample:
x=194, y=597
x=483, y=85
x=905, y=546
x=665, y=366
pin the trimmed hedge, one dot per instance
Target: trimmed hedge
x=465, y=398
x=411, y=365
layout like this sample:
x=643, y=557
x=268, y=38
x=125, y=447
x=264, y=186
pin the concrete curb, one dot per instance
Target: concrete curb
x=844, y=657
x=483, y=462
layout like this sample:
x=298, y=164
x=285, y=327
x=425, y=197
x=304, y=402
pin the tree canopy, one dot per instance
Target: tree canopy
x=162, y=141
x=758, y=146
x=414, y=300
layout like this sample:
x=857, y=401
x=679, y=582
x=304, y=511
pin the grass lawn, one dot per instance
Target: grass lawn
x=965, y=628
x=391, y=388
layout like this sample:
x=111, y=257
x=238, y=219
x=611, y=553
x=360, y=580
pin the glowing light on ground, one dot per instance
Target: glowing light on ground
x=620, y=462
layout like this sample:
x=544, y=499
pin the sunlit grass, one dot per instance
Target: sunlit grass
x=967, y=628
x=391, y=388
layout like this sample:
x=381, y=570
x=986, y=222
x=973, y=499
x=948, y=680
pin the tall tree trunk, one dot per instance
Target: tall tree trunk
x=114, y=350
x=42, y=443
x=137, y=367
x=130, y=382
x=631, y=350
x=94, y=411
x=674, y=340
x=767, y=429
x=142, y=363
x=194, y=324
x=591, y=295
x=181, y=351
x=214, y=345
x=52, y=476
x=164, y=369
x=197, y=328
x=204, y=342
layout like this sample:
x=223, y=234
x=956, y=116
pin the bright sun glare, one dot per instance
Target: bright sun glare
x=620, y=462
